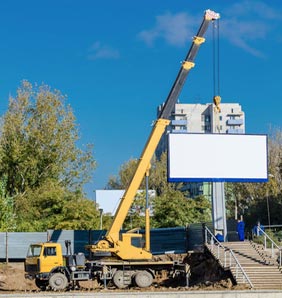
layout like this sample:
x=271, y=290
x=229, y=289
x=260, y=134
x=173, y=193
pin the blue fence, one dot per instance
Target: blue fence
x=14, y=245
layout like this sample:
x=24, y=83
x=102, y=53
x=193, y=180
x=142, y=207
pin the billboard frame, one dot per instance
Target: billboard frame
x=171, y=177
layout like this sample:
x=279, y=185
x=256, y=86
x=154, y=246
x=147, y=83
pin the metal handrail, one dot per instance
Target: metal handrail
x=227, y=261
x=266, y=236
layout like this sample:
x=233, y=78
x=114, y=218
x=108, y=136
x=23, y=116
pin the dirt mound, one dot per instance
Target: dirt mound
x=12, y=278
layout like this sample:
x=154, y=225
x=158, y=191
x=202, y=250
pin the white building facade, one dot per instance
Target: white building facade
x=203, y=118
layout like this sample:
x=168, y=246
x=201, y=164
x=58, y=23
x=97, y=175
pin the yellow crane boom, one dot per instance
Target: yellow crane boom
x=121, y=245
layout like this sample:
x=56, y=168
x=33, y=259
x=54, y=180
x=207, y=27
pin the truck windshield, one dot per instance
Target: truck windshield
x=34, y=251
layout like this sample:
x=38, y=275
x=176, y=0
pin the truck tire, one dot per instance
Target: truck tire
x=41, y=284
x=58, y=282
x=120, y=279
x=143, y=279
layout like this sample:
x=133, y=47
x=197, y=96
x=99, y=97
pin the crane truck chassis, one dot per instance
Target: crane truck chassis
x=125, y=263
x=51, y=270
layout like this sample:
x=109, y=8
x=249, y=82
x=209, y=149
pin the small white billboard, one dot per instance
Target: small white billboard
x=217, y=158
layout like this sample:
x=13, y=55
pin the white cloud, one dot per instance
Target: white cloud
x=248, y=22
x=175, y=29
x=254, y=8
x=101, y=51
x=243, y=24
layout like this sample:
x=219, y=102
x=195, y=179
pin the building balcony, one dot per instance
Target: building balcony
x=235, y=122
x=179, y=131
x=178, y=122
x=235, y=131
x=179, y=113
x=238, y=114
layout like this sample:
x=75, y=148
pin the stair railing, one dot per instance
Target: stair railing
x=272, y=243
x=226, y=256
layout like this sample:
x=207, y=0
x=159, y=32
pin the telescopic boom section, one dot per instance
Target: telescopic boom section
x=121, y=246
x=187, y=64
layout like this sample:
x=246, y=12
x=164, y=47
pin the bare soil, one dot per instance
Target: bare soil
x=12, y=280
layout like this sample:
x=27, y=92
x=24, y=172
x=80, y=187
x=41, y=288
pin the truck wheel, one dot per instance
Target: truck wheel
x=41, y=284
x=119, y=279
x=58, y=282
x=143, y=279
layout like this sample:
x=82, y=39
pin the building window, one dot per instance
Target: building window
x=220, y=118
x=207, y=118
x=203, y=118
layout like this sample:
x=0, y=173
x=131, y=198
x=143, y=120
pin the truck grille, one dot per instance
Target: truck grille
x=31, y=268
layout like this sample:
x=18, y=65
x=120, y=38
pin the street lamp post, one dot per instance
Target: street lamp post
x=267, y=202
x=268, y=212
x=101, y=218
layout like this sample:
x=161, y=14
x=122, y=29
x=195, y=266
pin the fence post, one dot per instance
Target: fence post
x=272, y=250
x=6, y=249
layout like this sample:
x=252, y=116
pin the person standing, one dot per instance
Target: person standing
x=241, y=230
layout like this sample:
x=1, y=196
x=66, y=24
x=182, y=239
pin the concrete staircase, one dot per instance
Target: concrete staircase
x=259, y=267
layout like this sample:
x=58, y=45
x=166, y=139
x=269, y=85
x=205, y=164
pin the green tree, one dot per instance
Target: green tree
x=173, y=209
x=158, y=177
x=38, y=142
x=7, y=215
x=125, y=174
x=253, y=199
x=136, y=214
x=52, y=206
x=38, y=149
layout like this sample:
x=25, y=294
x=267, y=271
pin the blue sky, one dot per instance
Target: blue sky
x=117, y=60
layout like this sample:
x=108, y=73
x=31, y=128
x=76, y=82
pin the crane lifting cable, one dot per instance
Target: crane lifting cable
x=216, y=74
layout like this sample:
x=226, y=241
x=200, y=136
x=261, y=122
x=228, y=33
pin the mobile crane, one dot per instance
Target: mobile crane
x=128, y=263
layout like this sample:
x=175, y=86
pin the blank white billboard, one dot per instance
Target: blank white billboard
x=217, y=157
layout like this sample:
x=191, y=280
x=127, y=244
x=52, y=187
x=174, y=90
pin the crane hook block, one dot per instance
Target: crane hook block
x=217, y=100
x=188, y=65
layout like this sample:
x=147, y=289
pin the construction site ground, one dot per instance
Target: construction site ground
x=205, y=275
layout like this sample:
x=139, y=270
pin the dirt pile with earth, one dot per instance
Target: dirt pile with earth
x=206, y=274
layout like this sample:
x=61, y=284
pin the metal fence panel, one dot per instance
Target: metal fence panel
x=165, y=240
x=16, y=243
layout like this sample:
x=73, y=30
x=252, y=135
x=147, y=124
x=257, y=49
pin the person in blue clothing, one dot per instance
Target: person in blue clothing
x=258, y=229
x=241, y=230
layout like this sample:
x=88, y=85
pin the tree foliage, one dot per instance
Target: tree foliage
x=42, y=165
x=170, y=206
x=7, y=214
x=125, y=174
x=173, y=209
x=38, y=142
x=254, y=199
x=136, y=214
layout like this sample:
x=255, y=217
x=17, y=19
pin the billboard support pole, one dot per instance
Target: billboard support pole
x=218, y=209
